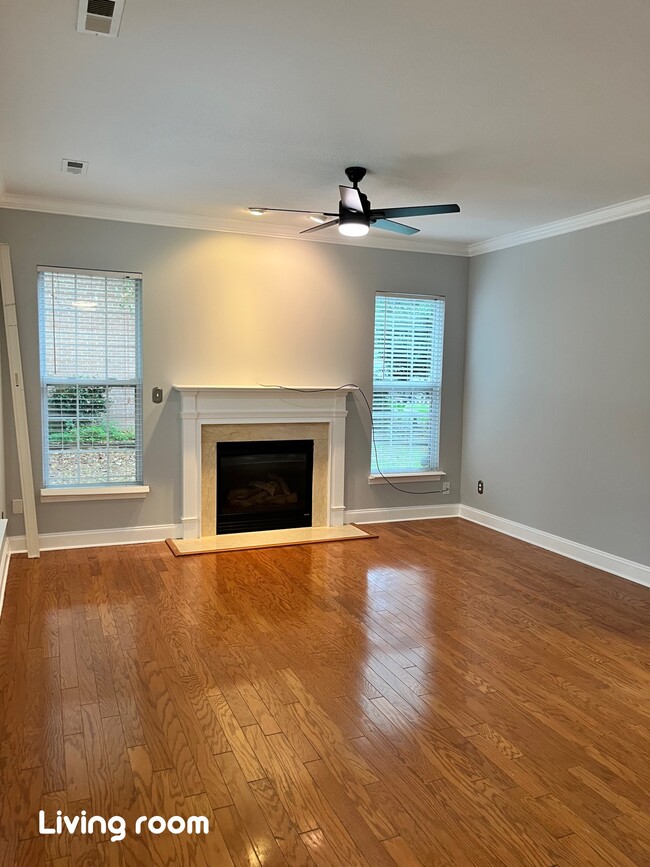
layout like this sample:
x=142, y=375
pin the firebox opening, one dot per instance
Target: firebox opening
x=264, y=485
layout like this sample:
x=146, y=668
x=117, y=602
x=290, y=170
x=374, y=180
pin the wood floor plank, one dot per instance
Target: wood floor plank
x=76, y=770
x=30, y=852
x=153, y=702
x=210, y=726
x=31, y=796
x=442, y=695
x=142, y=771
x=102, y=672
x=288, y=775
x=252, y=817
x=169, y=800
x=239, y=845
x=355, y=823
x=212, y=845
x=67, y=652
x=416, y=837
x=52, y=725
x=125, y=696
x=276, y=695
x=204, y=759
x=71, y=711
x=83, y=847
x=289, y=841
x=320, y=849
x=444, y=841
x=85, y=672
x=401, y=854
x=56, y=846
x=237, y=738
x=97, y=763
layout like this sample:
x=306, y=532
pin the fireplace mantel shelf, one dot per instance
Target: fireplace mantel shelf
x=264, y=389
x=205, y=405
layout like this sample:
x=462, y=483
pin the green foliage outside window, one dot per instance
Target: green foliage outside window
x=95, y=433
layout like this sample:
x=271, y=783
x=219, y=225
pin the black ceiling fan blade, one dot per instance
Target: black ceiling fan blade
x=293, y=211
x=391, y=226
x=318, y=228
x=424, y=211
x=351, y=199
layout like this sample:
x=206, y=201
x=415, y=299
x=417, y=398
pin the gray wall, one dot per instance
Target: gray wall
x=223, y=309
x=557, y=389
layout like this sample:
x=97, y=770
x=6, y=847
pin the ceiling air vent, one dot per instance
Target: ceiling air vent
x=101, y=17
x=74, y=167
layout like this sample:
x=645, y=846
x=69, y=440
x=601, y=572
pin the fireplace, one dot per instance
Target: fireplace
x=264, y=485
x=212, y=414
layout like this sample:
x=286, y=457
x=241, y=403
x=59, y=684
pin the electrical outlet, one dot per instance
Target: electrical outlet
x=446, y=487
x=17, y=507
x=480, y=486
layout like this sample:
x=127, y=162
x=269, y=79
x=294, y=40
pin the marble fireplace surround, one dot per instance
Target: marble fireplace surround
x=211, y=414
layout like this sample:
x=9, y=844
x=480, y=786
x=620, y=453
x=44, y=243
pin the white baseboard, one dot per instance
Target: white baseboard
x=628, y=569
x=4, y=560
x=400, y=513
x=99, y=538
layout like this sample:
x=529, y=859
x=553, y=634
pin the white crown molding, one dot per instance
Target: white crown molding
x=215, y=224
x=609, y=214
x=628, y=569
x=400, y=513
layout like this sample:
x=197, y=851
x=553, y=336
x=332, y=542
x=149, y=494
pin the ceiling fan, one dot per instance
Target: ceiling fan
x=355, y=216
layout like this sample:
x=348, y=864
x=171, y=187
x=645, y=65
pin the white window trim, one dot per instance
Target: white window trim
x=424, y=476
x=428, y=474
x=104, y=492
x=92, y=272
x=94, y=492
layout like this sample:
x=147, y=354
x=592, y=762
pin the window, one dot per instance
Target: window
x=91, y=378
x=407, y=381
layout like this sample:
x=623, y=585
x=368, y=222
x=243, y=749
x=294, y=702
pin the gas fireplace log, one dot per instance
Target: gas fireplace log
x=258, y=495
x=284, y=487
x=286, y=499
x=252, y=500
x=270, y=487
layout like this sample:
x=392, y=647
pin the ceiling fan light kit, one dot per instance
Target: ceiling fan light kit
x=353, y=225
x=355, y=216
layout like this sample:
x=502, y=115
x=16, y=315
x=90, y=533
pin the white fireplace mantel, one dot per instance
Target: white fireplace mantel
x=210, y=405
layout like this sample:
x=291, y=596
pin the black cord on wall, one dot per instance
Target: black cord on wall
x=372, y=429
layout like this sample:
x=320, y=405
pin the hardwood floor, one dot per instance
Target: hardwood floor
x=443, y=695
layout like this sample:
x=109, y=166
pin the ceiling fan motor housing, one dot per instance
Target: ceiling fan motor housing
x=348, y=216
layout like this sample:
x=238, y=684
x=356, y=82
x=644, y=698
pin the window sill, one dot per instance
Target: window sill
x=427, y=476
x=82, y=495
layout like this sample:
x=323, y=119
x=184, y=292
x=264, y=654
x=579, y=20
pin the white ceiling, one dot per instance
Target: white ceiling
x=524, y=112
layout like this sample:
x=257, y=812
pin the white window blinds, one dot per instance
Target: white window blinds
x=407, y=382
x=91, y=377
